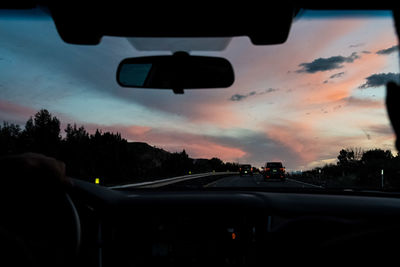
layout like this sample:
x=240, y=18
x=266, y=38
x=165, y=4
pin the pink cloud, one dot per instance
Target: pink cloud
x=15, y=112
x=222, y=113
x=297, y=137
x=137, y=131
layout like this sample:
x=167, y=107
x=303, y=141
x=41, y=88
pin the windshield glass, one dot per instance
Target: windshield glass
x=313, y=105
x=274, y=165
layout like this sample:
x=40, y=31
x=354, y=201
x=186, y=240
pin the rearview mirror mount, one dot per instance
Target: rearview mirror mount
x=177, y=72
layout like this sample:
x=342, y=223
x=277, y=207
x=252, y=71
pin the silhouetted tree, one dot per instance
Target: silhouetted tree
x=373, y=161
x=76, y=151
x=345, y=157
x=178, y=164
x=76, y=135
x=349, y=160
x=231, y=166
x=376, y=157
x=217, y=164
x=42, y=134
x=107, y=152
x=357, y=152
x=9, y=138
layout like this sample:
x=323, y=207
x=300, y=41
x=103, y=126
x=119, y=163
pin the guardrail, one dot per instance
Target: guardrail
x=168, y=181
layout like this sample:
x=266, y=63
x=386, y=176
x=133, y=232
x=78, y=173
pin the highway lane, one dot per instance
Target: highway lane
x=256, y=180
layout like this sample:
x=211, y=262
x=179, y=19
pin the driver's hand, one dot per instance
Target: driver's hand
x=34, y=208
x=34, y=168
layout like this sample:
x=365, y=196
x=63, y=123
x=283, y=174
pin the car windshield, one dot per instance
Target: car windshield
x=274, y=165
x=313, y=106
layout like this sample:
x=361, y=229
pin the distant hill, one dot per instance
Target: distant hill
x=145, y=152
x=148, y=158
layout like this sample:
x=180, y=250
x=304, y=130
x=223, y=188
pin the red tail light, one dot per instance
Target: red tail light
x=267, y=169
x=282, y=169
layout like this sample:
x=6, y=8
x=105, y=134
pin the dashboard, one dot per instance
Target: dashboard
x=232, y=228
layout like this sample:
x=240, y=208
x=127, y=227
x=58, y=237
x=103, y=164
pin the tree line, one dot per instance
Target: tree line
x=104, y=155
x=357, y=168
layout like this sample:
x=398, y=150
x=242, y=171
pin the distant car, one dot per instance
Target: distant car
x=256, y=170
x=274, y=170
x=246, y=169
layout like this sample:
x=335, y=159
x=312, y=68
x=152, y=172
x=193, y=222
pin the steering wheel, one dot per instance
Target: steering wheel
x=39, y=223
x=47, y=235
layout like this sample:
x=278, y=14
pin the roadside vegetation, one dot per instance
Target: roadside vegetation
x=357, y=169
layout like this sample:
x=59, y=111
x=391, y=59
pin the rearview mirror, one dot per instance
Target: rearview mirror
x=177, y=72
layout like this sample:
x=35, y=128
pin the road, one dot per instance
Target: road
x=209, y=180
x=256, y=181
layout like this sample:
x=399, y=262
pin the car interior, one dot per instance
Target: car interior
x=50, y=222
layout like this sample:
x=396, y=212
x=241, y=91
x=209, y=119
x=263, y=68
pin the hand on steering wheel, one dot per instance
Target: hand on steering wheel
x=37, y=210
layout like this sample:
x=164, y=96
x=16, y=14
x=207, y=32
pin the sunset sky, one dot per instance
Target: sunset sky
x=300, y=102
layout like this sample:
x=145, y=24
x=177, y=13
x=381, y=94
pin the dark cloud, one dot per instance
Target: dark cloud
x=337, y=75
x=381, y=129
x=337, y=107
x=239, y=97
x=356, y=45
x=379, y=79
x=388, y=51
x=326, y=64
x=363, y=102
x=267, y=91
x=366, y=134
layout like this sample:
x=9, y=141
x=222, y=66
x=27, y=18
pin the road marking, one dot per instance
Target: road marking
x=211, y=184
x=318, y=186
